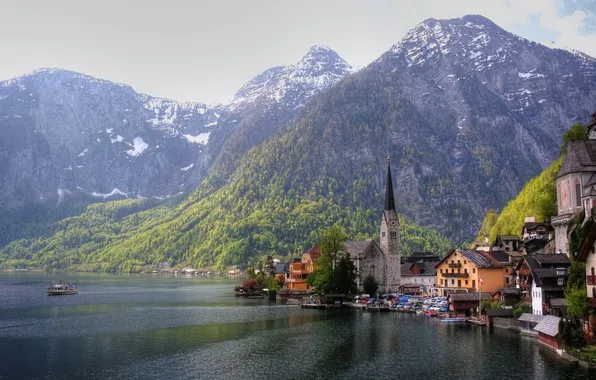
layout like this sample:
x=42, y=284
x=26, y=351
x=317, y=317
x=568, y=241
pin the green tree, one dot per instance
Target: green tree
x=332, y=243
x=576, y=132
x=370, y=285
x=521, y=308
x=345, y=276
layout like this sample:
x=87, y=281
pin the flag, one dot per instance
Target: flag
x=480, y=281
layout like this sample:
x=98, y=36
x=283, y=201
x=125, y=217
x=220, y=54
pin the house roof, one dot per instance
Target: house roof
x=580, y=156
x=476, y=257
x=458, y=297
x=428, y=266
x=544, y=265
x=500, y=256
x=558, y=302
x=508, y=237
x=549, y=325
x=528, y=317
x=280, y=268
x=509, y=291
x=355, y=248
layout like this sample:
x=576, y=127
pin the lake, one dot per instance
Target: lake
x=153, y=327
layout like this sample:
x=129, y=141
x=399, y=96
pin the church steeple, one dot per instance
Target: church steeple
x=389, y=199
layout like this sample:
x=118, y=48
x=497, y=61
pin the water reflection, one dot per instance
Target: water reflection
x=157, y=329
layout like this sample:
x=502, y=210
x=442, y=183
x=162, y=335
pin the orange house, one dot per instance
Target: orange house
x=461, y=271
x=301, y=268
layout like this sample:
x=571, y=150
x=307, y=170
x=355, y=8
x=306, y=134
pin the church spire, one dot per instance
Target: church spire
x=389, y=200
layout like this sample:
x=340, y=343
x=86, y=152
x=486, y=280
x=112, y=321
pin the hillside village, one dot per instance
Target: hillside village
x=525, y=274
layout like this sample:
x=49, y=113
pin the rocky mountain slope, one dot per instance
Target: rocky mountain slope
x=63, y=133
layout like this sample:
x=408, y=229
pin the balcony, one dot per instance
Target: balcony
x=455, y=275
x=455, y=265
x=592, y=302
x=591, y=280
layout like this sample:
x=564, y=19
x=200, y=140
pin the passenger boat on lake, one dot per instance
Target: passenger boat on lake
x=61, y=289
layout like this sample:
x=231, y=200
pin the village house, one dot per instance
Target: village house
x=542, y=278
x=301, y=268
x=461, y=270
x=506, y=243
x=535, y=230
x=419, y=274
x=509, y=297
x=548, y=331
x=463, y=305
x=282, y=271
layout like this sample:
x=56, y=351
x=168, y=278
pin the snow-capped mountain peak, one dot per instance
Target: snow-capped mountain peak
x=319, y=69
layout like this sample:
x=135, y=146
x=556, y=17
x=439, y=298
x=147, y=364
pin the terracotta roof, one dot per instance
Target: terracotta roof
x=580, y=156
x=528, y=317
x=549, y=325
x=355, y=248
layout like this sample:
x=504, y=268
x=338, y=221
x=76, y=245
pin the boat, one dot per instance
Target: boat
x=61, y=289
x=453, y=319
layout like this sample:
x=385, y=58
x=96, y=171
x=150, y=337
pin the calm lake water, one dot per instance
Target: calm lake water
x=135, y=327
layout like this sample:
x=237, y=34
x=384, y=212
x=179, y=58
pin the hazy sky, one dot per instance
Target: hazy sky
x=206, y=50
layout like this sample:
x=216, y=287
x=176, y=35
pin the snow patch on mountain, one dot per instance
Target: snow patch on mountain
x=187, y=167
x=139, y=146
x=112, y=193
x=201, y=138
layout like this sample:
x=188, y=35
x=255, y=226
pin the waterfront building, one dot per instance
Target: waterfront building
x=509, y=297
x=461, y=270
x=419, y=277
x=382, y=261
x=466, y=304
x=301, y=268
x=576, y=185
x=548, y=331
x=535, y=230
x=542, y=278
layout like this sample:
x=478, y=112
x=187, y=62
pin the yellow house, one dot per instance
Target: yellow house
x=461, y=270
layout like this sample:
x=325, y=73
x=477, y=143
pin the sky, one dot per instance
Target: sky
x=205, y=51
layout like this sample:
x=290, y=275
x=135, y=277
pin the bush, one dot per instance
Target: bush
x=370, y=285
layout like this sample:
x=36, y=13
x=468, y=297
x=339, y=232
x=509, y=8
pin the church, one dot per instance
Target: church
x=383, y=260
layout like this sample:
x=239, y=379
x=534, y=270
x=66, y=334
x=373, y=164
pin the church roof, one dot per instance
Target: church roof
x=389, y=199
x=580, y=156
x=355, y=248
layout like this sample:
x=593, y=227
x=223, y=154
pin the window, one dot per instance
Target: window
x=465, y=262
x=452, y=282
x=452, y=270
x=473, y=270
x=466, y=282
x=458, y=270
x=592, y=271
x=383, y=234
x=594, y=292
x=473, y=283
x=507, y=280
x=441, y=270
x=506, y=270
x=459, y=262
x=393, y=234
x=441, y=282
x=578, y=193
x=466, y=270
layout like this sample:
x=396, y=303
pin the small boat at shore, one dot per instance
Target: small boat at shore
x=61, y=289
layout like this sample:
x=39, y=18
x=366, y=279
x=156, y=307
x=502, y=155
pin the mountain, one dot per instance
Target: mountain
x=273, y=98
x=467, y=112
x=64, y=132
